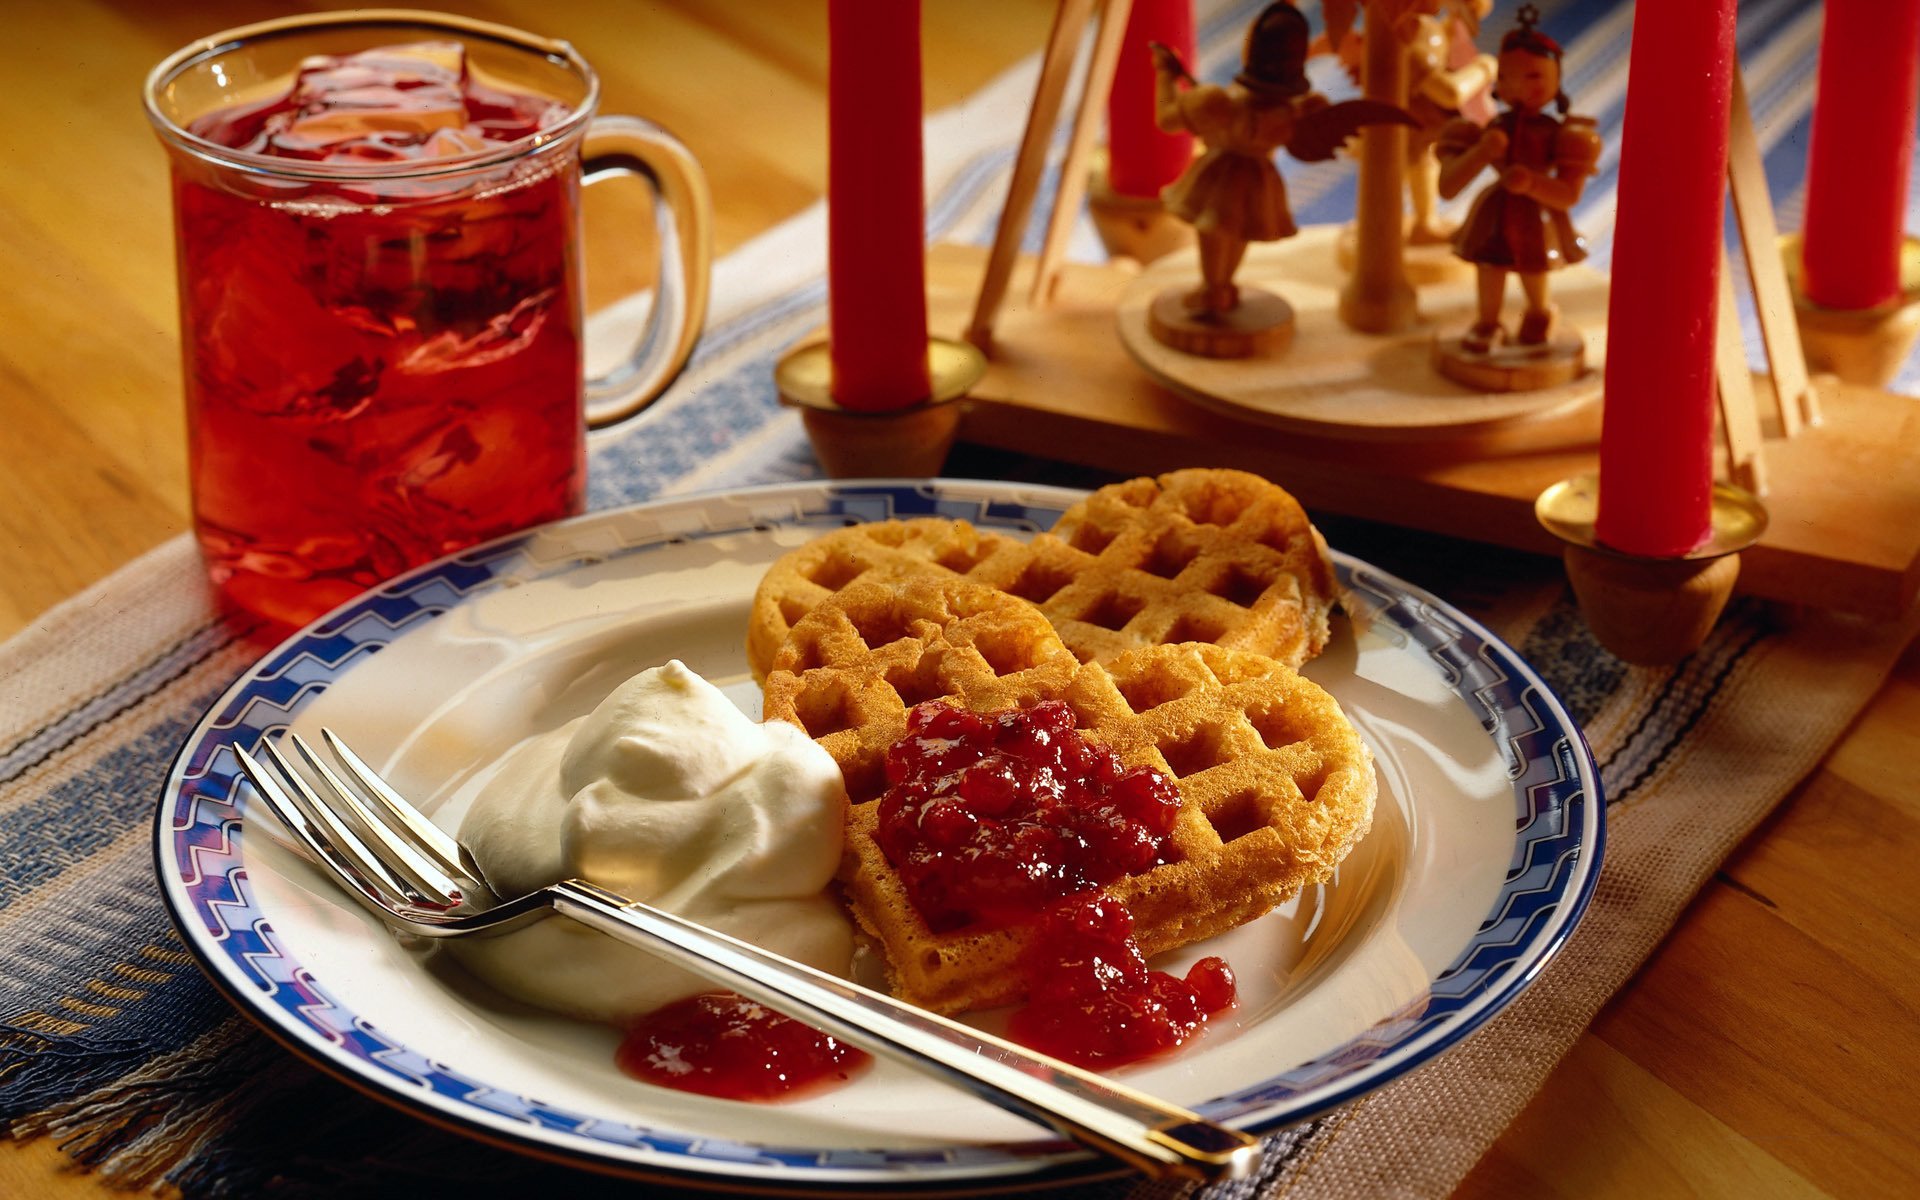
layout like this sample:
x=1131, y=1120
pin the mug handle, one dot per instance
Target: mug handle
x=683, y=215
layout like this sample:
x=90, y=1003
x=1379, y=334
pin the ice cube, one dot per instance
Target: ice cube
x=407, y=67
x=447, y=143
x=405, y=102
x=503, y=116
x=379, y=104
x=503, y=336
x=423, y=464
x=363, y=112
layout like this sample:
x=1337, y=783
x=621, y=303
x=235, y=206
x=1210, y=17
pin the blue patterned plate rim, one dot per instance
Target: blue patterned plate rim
x=201, y=864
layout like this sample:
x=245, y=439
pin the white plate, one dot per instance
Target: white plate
x=1485, y=845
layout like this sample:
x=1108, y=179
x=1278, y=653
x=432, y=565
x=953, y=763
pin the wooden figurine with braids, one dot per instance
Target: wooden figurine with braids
x=1520, y=223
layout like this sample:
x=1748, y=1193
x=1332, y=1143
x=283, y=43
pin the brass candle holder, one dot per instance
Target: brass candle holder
x=1651, y=612
x=856, y=443
x=1864, y=346
x=1135, y=227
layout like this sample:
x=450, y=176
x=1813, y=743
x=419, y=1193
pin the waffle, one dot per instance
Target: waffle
x=1275, y=784
x=1199, y=555
x=800, y=579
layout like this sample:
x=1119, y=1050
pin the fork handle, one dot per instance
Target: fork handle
x=1158, y=1138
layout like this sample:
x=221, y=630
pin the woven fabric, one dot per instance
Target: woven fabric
x=112, y=1042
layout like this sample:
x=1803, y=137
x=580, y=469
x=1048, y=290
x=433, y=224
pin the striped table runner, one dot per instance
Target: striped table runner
x=111, y=1041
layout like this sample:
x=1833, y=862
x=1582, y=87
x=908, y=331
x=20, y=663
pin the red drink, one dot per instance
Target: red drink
x=380, y=368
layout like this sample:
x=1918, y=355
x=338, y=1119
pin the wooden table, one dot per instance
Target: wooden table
x=1770, y=1048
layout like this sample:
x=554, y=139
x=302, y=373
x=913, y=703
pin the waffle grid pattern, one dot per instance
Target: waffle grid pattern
x=1200, y=555
x=1275, y=783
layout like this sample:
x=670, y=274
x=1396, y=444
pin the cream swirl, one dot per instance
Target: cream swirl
x=670, y=795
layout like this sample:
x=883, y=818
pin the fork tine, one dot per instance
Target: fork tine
x=330, y=829
x=361, y=886
x=395, y=850
x=446, y=853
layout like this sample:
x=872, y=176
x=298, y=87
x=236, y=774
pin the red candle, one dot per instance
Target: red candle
x=1862, y=147
x=876, y=208
x=1141, y=160
x=1656, y=438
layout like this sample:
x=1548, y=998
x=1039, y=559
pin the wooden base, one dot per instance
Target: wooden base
x=1260, y=326
x=1650, y=612
x=910, y=443
x=1426, y=263
x=1338, y=383
x=1510, y=367
x=855, y=443
x=1844, y=497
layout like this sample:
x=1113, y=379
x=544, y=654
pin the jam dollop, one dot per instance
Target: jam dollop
x=1093, y=1001
x=723, y=1044
x=991, y=818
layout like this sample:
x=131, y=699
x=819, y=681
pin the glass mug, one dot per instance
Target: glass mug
x=380, y=291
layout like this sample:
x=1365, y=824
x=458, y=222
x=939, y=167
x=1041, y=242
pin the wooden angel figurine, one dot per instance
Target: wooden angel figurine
x=1519, y=223
x=1233, y=194
x=1447, y=80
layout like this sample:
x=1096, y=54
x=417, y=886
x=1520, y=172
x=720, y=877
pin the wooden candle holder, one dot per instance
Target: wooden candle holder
x=1651, y=612
x=856, y=444
x=1135, y=227
x=1864, y=346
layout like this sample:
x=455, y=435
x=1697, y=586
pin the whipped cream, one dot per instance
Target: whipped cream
x=667, y=794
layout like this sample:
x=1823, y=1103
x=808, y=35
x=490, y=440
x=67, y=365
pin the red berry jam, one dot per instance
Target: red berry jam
x=723, y=1044
x=990, y=818
x=1092, y=1000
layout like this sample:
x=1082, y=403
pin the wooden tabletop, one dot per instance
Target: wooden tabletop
x=1770, y=1048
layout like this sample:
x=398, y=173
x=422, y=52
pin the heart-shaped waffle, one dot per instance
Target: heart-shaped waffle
x=1201, y=555
x=1275, y=784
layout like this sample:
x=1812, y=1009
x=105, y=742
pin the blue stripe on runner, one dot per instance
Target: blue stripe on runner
x=51, y=956
x=1622, y=785
x=1687, y=692
x=84, y=813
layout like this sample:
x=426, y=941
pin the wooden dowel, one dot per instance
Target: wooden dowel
x=1056, y=65
x=1739, y=420
x=1086, y=124
x=1760, y=244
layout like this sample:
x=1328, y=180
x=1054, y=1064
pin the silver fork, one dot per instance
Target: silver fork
x=420, y=881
